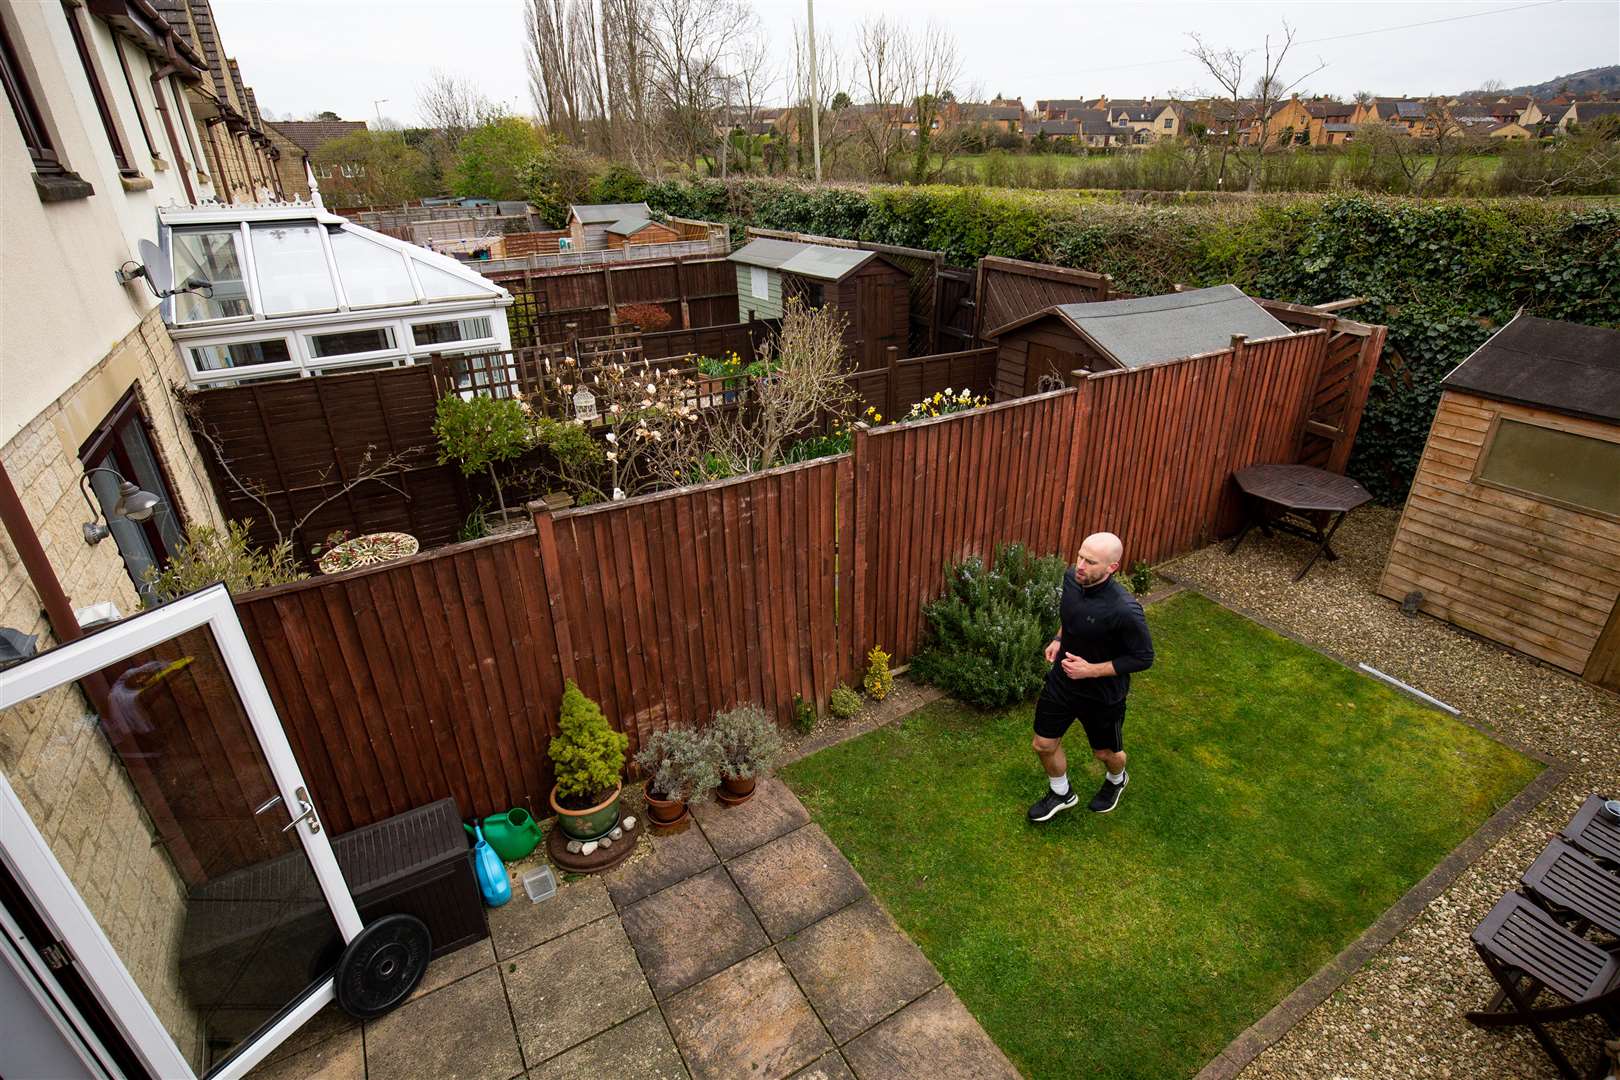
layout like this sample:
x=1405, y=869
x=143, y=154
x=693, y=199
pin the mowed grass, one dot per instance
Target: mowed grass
x=1278, y=803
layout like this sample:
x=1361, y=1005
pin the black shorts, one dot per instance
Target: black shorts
x=1104, y=724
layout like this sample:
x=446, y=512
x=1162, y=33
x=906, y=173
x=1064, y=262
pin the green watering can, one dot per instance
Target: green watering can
x=513, y=834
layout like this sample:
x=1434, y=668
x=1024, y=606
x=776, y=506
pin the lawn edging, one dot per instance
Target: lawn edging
x=1282, y=1017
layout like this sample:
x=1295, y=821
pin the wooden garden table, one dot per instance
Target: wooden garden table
x=1298, y=499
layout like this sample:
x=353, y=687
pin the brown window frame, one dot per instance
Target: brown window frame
x=30, y=119
x=183, y=120
x=134, y=98
x=87, y=61
x=103, y=449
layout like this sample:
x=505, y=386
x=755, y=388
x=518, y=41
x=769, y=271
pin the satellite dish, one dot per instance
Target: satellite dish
x=156, y=267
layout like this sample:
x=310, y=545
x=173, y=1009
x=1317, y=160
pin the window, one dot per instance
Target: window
x=98, y=92
x=123, y=443
x=291, y=268
x=182, y=119
x=1555, y=465
x=134, y=98
x=1169, y=122
x=240, y=354
x=759, y=284
x=438, y=333
x=350, y=342
x=323, y=172
x=210, y=255
x=29, y=118
x=372, y=275
x=443, y=285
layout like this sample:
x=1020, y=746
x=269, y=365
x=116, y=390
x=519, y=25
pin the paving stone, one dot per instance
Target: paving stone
x=462, y=1032
x=933, y=1037
x=336, y=1057
x=457, y=965
x=573, y=987
x=672, y=859
x=318, y=1028
x=691, y=930
x=638, y=1049
x=748, y=1021
x=827, y=1067
x=857, y=967
x=519, y=924
x=772, y=811
x=795, y=880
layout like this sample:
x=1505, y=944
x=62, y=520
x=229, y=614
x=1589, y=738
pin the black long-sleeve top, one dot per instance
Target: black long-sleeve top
x=1101, y=623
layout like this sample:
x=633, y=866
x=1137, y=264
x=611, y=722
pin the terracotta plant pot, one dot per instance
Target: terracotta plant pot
x=732, y=792
x=664, y=813
x=592, y=823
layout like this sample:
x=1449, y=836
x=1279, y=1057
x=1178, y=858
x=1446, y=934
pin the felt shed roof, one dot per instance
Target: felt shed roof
x=628, y=227
x=807, y=260
x=1154, y=329
x=1567, y=367
x=602, y=213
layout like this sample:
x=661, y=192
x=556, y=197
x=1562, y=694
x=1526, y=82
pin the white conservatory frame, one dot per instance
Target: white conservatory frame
x=481, y=298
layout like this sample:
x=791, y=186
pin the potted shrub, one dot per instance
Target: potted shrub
x=587, y=756
x=749, y=746
x=680, y=764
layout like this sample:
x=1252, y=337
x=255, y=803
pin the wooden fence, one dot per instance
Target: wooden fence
x=554, y=307
x=440, y=675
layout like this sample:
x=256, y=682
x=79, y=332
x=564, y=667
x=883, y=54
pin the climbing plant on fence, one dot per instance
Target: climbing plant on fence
x=1443, y=274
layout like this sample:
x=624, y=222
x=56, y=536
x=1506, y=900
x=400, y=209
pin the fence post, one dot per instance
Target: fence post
x=860, y=455
x=1240, y=345
x=551, y=572
x=891, y=401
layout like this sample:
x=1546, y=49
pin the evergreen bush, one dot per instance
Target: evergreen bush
x=748, y=742
x=879, y=680
x=587, y=755
x=843, y=703
x=680, y=763
x=987, y=632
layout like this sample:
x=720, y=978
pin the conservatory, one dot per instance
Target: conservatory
x=289, y=289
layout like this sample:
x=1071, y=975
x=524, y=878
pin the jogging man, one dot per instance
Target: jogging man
x=1104, y=638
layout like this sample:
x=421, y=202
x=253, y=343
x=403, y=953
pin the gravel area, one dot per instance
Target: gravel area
x=1402, y=1013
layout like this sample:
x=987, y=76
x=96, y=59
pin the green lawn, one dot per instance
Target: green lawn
x=1278, y=804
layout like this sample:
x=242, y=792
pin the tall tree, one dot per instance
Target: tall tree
x=1230, y=69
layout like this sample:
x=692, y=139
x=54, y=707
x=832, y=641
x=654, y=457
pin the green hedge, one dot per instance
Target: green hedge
x=1443, y=274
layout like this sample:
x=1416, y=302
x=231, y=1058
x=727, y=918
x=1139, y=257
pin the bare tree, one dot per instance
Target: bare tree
x=451, y=105
x=937, y=71
x=886, y=64
x=556, y=57
x=1230, y=70
x=691, y=49
x=755, y=79
x=832, y=98
x=626, y=59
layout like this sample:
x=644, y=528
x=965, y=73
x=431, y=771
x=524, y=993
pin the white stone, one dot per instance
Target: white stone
x=588, y=848
x=629, y=823
x=574, y=847
x=607, y=841
x=616, y=833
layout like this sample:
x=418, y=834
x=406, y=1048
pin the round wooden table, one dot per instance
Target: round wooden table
x=372, y=549
x=1298, y=499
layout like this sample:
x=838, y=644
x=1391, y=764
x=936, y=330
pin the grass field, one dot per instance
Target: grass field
x=1078, y=170
x=1279, y=802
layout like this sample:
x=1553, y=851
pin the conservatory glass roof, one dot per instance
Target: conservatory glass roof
x=292, y=288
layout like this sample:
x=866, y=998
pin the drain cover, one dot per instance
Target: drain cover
x=382, y=965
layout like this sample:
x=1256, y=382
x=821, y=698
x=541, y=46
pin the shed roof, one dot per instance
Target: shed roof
x=1153, y=329
x=1567, y=367
x=602, y=213
x=629, y=226
x=807, y=260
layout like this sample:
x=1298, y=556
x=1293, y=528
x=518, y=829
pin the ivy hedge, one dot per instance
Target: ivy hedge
x=1442, y=274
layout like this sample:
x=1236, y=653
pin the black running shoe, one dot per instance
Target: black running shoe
x=1051, y=804
x=1107, y=796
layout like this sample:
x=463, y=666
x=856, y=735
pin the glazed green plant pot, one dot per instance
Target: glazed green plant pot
x=589, y=824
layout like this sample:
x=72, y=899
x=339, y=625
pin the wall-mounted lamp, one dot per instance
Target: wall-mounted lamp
x=133, y=504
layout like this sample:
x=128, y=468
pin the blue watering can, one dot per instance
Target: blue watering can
x=491, y=872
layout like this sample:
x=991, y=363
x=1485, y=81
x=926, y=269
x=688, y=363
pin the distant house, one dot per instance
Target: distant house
x=1171, y=120
x=337, y=179
x=1115, y=334
x=1330, y=122
x=1511, y=130
x=1290, y=123
x=1584, y=112
x=1543, y=112
x=1402, y=113
x=1059, y=108
x=1002, y=117
x=1138, y=118
x=872, y=293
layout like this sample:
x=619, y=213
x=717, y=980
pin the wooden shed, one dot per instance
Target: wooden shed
x=1112, y=334
x=873, y=293
x=1512, y=527
x=630, y=232
x=589, y=224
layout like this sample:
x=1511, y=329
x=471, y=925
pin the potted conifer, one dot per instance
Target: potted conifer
x=749, y=744
x=587, y=756
x=681, y=764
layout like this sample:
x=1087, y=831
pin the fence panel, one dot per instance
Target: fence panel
x=1011, y=288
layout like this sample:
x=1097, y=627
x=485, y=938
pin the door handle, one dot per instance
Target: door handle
x=307, y=810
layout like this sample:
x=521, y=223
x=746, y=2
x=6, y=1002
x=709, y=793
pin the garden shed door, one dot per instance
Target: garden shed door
x=188, y=907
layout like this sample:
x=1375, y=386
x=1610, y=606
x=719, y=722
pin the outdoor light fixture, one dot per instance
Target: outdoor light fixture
x=133, y=504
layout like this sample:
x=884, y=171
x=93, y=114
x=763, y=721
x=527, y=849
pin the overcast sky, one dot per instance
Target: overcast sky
x=302, y=56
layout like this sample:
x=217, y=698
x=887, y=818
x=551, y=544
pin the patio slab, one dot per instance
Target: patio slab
x=337, y=1057
x=458, y=965
x=462, y=1032
x=795, y=880
x=829, y=1066
x=934, y=1036
x=748, y=1021
x=857, y=967
x=732, y=830
x=322, y=1026
x=574, y=987
x=672, y=859
x=641, y=1048
x=691, y=930
x=520, y=924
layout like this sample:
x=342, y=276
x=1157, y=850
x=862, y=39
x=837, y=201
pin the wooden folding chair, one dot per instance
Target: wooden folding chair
x=1526, y=950
x=1595, y=832
x=1576, y=890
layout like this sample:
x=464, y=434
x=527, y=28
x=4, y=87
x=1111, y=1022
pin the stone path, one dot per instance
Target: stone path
x=745, y=947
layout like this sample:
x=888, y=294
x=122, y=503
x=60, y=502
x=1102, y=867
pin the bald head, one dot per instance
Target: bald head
x=1099, y=557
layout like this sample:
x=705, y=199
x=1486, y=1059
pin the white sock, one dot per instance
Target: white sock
x=1117, y=778
x=1060, y=784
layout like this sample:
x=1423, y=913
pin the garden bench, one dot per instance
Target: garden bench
x=1594, y=832
x=1298, y=499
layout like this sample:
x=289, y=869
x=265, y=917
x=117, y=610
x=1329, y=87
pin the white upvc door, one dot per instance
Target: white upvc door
x=153, y=833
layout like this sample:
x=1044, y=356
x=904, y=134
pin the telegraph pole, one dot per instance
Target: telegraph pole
x=815, y=92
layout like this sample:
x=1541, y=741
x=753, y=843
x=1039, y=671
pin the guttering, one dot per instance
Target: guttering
x=170, y=67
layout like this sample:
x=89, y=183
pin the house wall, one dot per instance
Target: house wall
x=1539, y=578
x=750, y=306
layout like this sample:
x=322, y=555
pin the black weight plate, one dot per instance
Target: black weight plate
x=382, y=965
